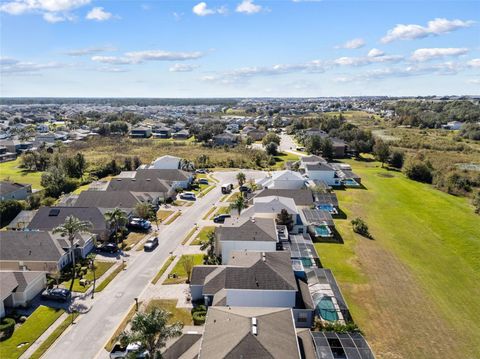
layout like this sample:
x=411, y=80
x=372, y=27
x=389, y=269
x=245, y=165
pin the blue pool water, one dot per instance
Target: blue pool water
x=350, y=183
x=307, y=262
x=326, y=207
x=322, y=231
x=327, y=309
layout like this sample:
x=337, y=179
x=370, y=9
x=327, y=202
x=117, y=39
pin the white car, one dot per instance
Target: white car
x=188, y=195
x=131, y=351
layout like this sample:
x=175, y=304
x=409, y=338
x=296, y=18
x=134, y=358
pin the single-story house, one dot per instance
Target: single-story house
x=5, y=155
x=18, y=288
x=225, y=139
x=282, y=180
x=158, y=189
x=181, y=135
x=173, y=177
x=141, y=132
x=301, y=197
x=16, y=146
x=13, y=190
x=162, y=132
x=255, y=134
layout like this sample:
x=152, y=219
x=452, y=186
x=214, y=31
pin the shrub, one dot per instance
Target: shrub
x=199, y=308
x=337, y=327
x=9, y=210
x=396, y=159
x=7, y=326
x=476, y=202
x=360, y=227
x=199, y=318
x=419, y=171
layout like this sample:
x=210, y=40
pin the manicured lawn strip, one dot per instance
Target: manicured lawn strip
x=221, y=210
x=189, y=235
x=213, y=178
x=173, y=217
x=110, y=277
x=52, y=338
x=202, y=235
x=163, y=269
x=132, y=240
x=210, y=211
x=111, y=342
x=12, y=171
x=36, y=324
x=163, y=214
x=224, y=197
x=283, y=157
x=205, y=191
x=435, y=237
x=102, y=267
x=233, y=197
x=178, y=314
x=180, y=271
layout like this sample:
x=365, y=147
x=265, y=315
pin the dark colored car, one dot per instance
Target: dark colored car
x=203, y=181
x=58, y=294
x=245, y=189
x=108, y=248
x=140, y=223
x=221, y=218
x=150, y=244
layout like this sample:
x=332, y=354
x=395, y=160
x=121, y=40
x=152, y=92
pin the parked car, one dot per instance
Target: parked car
x=201, y=171
x=245, y=189
x=58, y=294
x=108, y=248
x=140, y=223
x=188, y=196
x=150, y=244
x=227, y=188
x=221, y=218
x=203, y=181
x=131, y=351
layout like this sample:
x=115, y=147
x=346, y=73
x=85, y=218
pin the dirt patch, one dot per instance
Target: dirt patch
x=398, y=317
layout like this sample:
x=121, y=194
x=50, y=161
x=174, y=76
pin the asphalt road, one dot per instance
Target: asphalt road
x=88, y=336
x=287, y=145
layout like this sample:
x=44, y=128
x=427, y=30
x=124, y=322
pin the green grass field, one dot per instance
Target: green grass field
x=202, y=235
x=170, y=305
x=417, y=281
x=282, y=158
x=12, y=171
x=39, y=321
x=102, y=267
x=179, y=270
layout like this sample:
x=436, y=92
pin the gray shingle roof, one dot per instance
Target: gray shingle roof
x=318, y=167
x=29, y=246
x=138, y=185
x=107, y=199
x=45, y=221
x=302, y=197
x=262, y=229
x=8, y=187
x=228, y=333
x=181, y=346
x=162, y=174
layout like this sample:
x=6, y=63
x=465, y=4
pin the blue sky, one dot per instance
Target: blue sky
x=240, y=48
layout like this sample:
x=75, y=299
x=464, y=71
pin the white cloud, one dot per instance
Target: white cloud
x=435, y=53
x=182, y=68
x=19, y=7
x=14, y=66
x=375, y=53
x=98, y=14
x=474, y=81
x=89, y=51
x=352, y=44
x=475, y=63
x=248, y=7
x=201, y=9
x=375, y=57
x=434, y=27
x=53, y=17
x=137, y=57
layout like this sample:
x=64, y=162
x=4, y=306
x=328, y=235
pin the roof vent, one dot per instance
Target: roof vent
x=254, y=326
x=263, y=257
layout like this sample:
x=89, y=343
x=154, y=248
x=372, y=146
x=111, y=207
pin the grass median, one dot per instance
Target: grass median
x=163, y=269
x=110, y=277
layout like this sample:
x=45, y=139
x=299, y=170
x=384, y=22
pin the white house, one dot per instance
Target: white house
x=17, y=289
x=453, y=125
x=242, y=234
x=166, y=162
x=282, y=180
x=322, y=172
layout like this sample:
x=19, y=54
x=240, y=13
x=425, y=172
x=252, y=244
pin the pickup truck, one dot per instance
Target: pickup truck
x=120, y=352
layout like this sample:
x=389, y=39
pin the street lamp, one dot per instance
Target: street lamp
x=136, y=304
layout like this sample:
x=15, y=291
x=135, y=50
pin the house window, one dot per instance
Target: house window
x=302, y=317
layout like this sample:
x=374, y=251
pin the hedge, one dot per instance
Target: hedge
x=199, y=318
x=7, y=326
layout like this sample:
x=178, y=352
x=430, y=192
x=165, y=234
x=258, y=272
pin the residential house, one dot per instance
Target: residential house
x=18, y=288
x=141, y=132
x=181, y=135
x=225, y=139
x=166, y=162
x=245, y=234
x=159, y=190
x=48, y=218
x=340, y=148
x=5, y=155
x=236, y=332
x=327, y=201
x=174, y=178
x=13, y=190
x=322, y=172
x=254, y=279
x=301, y=197
x=282, y=180
x=162, y=132
x=16, y=146
x=255, y=133
x=21, y=221
x=233, y=127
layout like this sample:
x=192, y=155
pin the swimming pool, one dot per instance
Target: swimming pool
x=327, y=310
x=307, y=262
x=322, y=231
x=350, y=182
x=328, y=208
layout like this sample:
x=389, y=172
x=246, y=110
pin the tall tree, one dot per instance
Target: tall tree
x=211, y=257
x=70, y=229
x=145, y=210
x=241, y=178
x=284, y=218
x=381, y=150
x=151, y=330
x=117, y=219
x=239, y=204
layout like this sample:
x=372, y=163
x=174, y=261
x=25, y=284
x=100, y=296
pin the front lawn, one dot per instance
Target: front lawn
x=173, y=217
x=221, y=210
x=202, y=236
x=170, y=305
x=25, y=335
x=14, y=173
x=283, y=157
x=417, y=281
x=132, y=239
x=163, y=214
x=102, y=267
x=179, y=270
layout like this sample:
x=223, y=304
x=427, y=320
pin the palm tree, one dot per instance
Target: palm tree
x=241, y=178
x=70, y=229
x=144, y=210
x=117, y=219
x=151, y=330
x=209, y=245
x=239, y=204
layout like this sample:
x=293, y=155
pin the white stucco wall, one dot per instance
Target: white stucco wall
x=292, y=184
x=228, y=246
x=167, y=163
x=21, y=299
x=326, y=176
x=261, y=298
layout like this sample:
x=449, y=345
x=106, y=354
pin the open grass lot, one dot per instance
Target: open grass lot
x=101, y=266
x=39, y=321
x=170, y=305
x=282, y=158
x=202, y=235
x=180, y=271
x=12, y=171
x=413, y=289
